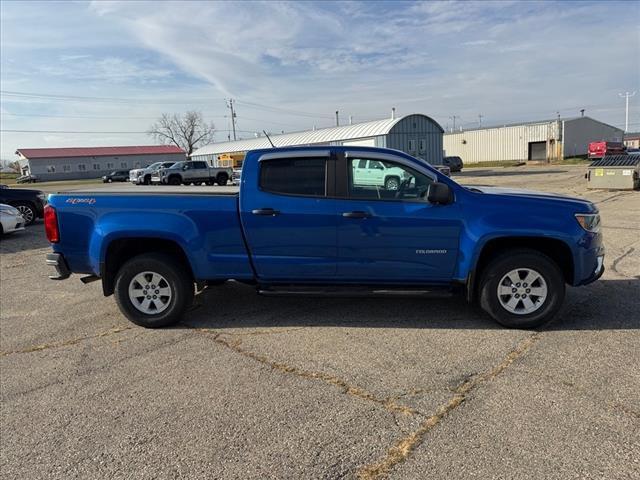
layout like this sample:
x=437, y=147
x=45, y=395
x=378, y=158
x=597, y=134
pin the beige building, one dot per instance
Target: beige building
x=535, y=141
x=632, y=140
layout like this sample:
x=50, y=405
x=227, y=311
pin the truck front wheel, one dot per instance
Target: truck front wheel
x=222, y=179
x=153, y=290
x=522, y=289
x=175, y=180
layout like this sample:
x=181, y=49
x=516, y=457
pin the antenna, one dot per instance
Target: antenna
x=268, y=138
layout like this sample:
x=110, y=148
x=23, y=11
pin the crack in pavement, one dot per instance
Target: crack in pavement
x=66, y=343
x=403, y=449
x=614, y=265
x=252, y=333
x=625, y=409
x=236, y=345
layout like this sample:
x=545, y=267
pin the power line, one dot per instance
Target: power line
x=48, y=96
x=97, y=117
x=269, y=108
x=69, y=131
x=99, y=132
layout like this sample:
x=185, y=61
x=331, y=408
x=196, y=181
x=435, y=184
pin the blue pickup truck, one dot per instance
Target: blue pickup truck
x=304, y=224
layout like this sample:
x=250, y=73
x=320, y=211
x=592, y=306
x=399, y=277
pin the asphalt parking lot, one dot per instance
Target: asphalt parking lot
x=255, y=387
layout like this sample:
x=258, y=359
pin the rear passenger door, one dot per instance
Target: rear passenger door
x=199, y=171
x=289, y=218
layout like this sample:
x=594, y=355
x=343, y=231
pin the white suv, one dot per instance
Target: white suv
x=376, y=173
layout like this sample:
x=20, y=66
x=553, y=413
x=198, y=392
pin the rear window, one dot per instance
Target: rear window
x=294, y=176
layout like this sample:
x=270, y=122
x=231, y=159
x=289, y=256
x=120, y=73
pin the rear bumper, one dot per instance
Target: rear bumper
x=57, y=261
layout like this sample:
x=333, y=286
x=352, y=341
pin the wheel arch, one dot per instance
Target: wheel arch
x=557, y=250
x=391, y=175
x=121, y=250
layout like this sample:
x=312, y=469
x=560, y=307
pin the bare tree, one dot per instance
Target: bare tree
x=186, y=132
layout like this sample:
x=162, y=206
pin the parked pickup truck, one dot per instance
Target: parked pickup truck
x=196, y=172
x=300, y=225
x=142, y=176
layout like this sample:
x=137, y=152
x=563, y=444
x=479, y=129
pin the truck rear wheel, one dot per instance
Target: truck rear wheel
x=175, y=180
x=153, y=290
x=522, y=289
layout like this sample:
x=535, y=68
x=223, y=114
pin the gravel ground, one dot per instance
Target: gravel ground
x=254, y=387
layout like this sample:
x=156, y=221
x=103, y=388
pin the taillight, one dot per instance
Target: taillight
x=51, y=224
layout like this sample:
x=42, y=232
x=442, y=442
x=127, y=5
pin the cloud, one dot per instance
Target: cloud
x=477, y=43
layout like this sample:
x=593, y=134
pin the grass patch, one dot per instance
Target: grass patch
x=573, y=161
x=8, y=177
x=495, y=163
x=57, y=185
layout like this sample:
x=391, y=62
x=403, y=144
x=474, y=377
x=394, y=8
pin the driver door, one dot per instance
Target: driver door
x=395, y=236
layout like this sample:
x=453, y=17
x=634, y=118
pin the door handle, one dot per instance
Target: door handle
x=356, y=214
x=266, y=211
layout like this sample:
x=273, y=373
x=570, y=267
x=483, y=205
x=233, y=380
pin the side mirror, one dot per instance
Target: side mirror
x=439, y=194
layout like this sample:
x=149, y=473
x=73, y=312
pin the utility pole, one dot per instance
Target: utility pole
x=480, y=120
x=454, y=122
x=233, y=117
x=626, y=96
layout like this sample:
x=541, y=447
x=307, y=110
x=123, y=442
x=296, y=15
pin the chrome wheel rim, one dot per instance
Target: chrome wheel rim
x=392, y=184
x=522, y=291
x=26, y=213
x=150, y=293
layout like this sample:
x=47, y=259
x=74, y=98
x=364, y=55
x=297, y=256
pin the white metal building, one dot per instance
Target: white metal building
x=416, y=134
x=539, y=141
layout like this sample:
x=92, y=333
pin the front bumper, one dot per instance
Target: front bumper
x=57, y=261
x=597, y=273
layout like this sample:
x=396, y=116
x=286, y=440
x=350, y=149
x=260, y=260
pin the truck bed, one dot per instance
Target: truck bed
x=202, y=221
x=129, y=188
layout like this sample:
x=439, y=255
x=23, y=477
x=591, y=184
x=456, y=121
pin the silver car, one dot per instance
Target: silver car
x=10, y=219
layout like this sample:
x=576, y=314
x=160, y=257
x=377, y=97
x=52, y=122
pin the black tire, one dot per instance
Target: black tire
x=177, y=278
x=174, y=180
x=392, y=183
x=27, y=210
x=147, y=180
x=222, y=179
x=491, y=302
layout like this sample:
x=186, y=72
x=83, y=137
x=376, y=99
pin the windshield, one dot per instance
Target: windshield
x=154, y=165
x=177, y=165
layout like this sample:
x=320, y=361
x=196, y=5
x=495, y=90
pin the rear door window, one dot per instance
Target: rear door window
x=294, y=176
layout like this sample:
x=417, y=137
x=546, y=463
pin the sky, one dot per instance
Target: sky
x=106, y=70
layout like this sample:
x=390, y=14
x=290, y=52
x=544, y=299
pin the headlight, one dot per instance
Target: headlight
x=9, y=210
x=589, y=221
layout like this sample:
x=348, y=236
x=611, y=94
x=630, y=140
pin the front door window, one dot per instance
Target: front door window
x=382, y=180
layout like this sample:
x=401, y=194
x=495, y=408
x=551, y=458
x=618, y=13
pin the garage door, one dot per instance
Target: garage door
x=537, y=150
